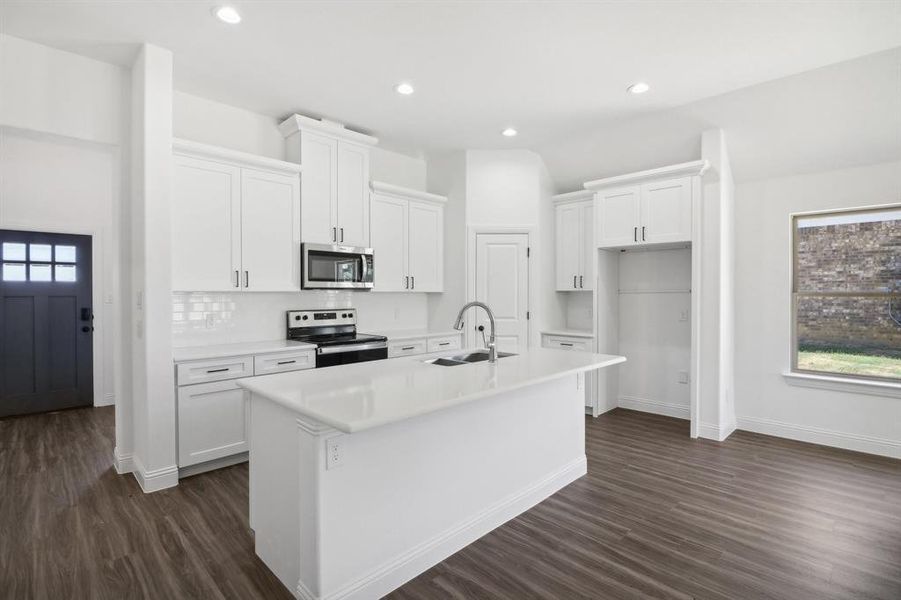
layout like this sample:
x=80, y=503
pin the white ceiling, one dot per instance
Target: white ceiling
x=553, y=70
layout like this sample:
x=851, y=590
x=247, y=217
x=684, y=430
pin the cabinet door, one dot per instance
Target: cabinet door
x=213, y=422
x=426, y=254
x=319, y=188
x=586, y=246
x=617, y=214
x=666, y=211
x=270, y=226
x=206, y=225
x=568, y=248
x=353, y=195
x=389, y=243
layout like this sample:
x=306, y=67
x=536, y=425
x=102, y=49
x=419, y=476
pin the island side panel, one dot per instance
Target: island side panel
x=409, y=494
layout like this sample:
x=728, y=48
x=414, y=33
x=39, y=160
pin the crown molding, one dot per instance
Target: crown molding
x=380, y=187
x=296, y=123
x=198, y=150
x=695, y=167
x=576, y=196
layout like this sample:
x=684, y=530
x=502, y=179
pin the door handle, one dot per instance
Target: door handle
x=342, y=235
x=412, y=282
x=87, y=329
x=643, y=228
x=574, y=282
x=237, y=279
x=246, y=279
x=334, y=234
x=635, y=234
x=580, y=282
x=406, y=282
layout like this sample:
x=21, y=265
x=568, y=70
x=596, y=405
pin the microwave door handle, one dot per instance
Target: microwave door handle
x=365, y=268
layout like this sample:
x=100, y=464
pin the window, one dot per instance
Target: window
x=37, y=262
x=846, y=293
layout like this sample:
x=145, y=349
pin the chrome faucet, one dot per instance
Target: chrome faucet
x=458, y=325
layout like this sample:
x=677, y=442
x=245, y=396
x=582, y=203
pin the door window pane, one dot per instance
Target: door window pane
x=39, y=272
x=65, y=272
x=13, y=251
x=65, y=254
x=13, y=272
x=39, y=252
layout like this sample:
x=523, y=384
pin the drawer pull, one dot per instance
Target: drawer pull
x=409, y=348
x=287, y=362
x=565, y=344
x=444, y=344
x=217, y=370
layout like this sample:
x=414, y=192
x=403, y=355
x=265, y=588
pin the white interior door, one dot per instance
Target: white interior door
x=388, y=235
x=568, y=247
x=353, y=195
x=319, y=185
x=270, y=231
x=617, y=214
x=666, y=211
x=206, y=225
x=426, y=247
x=502, y=282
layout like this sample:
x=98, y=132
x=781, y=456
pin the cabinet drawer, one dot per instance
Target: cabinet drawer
x=567, y=343
x=407, y=347
x=213, y=422
x=203, y=371
x=450, y=342
x=264, y=364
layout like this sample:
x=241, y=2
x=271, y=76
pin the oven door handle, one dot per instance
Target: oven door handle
x=351, y=348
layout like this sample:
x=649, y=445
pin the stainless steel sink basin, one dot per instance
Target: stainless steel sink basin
x=462, y=359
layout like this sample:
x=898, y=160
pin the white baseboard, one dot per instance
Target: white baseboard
x=824, y=437
x=123, y=463
x=408, y=565
x=106, y=400
x=668, y=409
x=709, y=431
x=155, y=480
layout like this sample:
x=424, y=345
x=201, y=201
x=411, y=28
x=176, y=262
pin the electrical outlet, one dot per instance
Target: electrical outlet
x=683, y=316
x=334, y=453
x=683, y=376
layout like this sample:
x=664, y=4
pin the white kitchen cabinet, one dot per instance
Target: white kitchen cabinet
x=235, y=221
x=407, y=237
x=335, y=186
x=407, y=347
x=213, y=422
x=575, y=241
x=655, y=212
x=579, y=343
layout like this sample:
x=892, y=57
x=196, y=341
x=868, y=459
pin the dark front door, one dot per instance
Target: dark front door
x=46, y=322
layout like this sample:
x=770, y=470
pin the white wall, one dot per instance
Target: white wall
x=763, y=400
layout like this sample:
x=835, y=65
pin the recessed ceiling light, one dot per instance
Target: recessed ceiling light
x=405, y=88
x=509, y=132
x=638, y=88
x=227, y=14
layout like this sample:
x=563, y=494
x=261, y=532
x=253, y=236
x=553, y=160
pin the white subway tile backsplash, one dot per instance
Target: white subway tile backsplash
x=200, y=318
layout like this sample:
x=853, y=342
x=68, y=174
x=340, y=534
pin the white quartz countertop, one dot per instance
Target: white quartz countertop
x=568, y=333
x=363, y=395
x=409, y=334
x=239, y=349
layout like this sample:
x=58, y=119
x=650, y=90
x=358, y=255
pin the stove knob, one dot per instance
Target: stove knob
x=305, y=317
x=297, y=317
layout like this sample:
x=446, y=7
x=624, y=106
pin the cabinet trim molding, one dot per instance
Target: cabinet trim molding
x=296, y=123
x=576, y=196
x=244, y=159
x=389, y=189
x=695, y=167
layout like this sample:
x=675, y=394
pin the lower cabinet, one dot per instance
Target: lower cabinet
x=424, y=345
x=213, y=421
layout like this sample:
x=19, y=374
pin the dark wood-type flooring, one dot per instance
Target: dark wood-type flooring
x=657, y=516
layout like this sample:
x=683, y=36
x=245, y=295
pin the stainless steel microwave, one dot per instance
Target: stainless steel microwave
x=329, y=267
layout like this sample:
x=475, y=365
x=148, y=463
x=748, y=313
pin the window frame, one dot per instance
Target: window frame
x=827, y=376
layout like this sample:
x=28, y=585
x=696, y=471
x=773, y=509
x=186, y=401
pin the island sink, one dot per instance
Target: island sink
x=462, y=359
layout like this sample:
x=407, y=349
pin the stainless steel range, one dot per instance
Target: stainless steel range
x=335, y=334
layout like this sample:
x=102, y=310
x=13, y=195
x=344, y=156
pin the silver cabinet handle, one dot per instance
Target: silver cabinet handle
x=237, y=279
x=334, y=234
x=412, y=282
x=565, y=344
x=409, y=348
x=217, y=370
x=246, y=279
x=342, y=235
x=642, y=232
x=444, y=343
x=574, y=282
x=635, y=234
x=580, y=282
x=406, y=282
x=287, y=362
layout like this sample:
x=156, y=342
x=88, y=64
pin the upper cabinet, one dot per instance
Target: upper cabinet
x=235, y=221
x=575, y=241
x=407, y=239
x=335, y=182
x=650, y=207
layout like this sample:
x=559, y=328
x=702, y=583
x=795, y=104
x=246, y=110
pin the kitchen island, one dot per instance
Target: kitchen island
x=365, y=475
